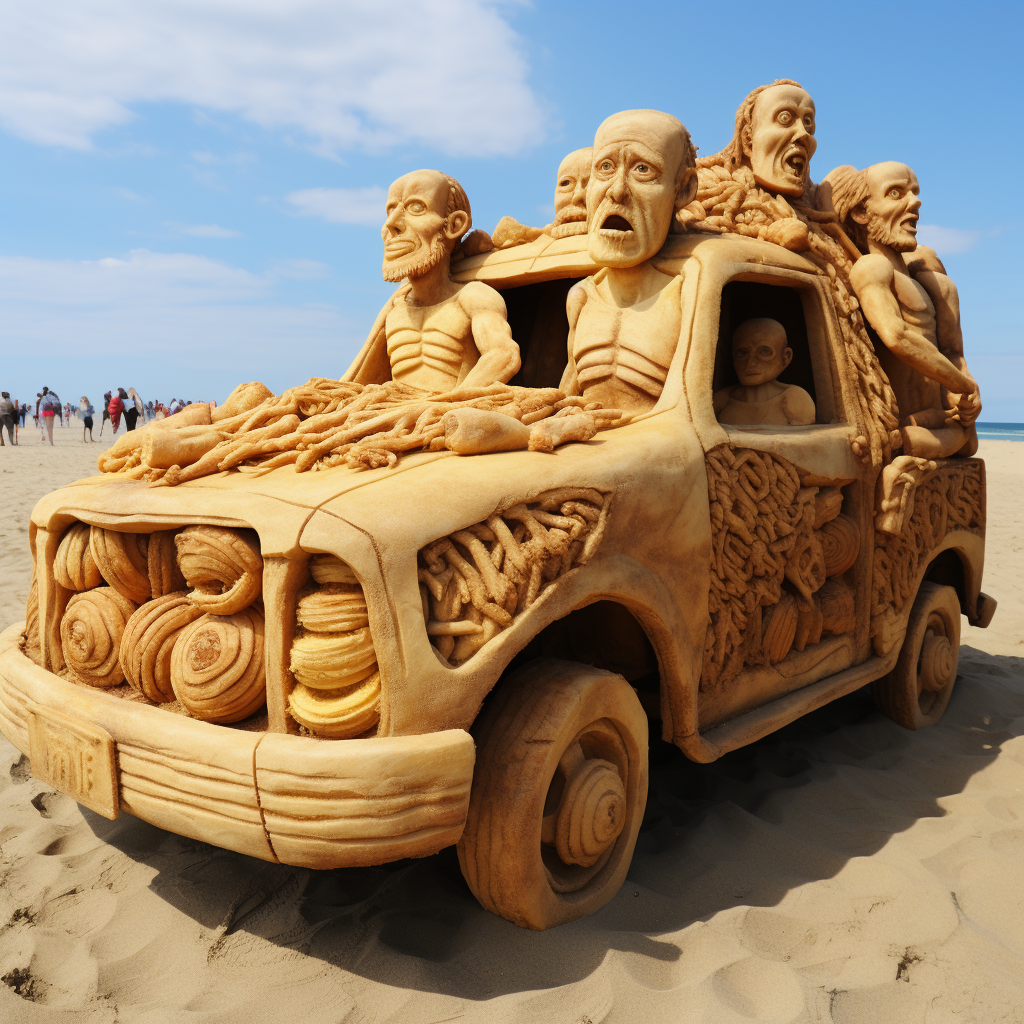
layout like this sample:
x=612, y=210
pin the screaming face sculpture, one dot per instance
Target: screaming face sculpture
x=779, y=140
x=571, y=194
x=890, y=212
x=639, y=178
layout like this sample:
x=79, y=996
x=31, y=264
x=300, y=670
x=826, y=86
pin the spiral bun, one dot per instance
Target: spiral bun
x=90, y=635
x=337, y=714
x=217, y=666
x=840, y=543
x=223, y=565
x=162, y=564
x=74, y=568
x=148, y=641
x=123, y=561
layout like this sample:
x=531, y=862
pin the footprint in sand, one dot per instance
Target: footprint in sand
x=760, y=989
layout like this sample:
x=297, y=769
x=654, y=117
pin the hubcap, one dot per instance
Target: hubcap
x=592, y=813
x=936, y=666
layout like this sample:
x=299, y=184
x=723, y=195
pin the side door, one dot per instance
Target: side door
x=790, y=503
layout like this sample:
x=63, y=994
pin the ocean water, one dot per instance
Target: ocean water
x=1001, y=431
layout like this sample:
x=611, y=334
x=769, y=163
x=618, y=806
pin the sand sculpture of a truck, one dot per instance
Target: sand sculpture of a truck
x=508, y=623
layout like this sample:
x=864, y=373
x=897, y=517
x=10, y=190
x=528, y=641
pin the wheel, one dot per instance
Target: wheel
x=915, y=693
x=558, y=793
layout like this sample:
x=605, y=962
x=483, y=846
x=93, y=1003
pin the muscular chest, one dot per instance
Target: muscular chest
x=442, y=329
x=915, y=304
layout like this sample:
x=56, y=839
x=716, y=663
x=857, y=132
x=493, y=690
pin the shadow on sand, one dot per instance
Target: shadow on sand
x=790, y=809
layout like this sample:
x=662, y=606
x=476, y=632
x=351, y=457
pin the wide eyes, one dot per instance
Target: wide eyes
x=606, y=165
x=894, y=193
x=565, y=183
x=784, y=117
x=416, y=206
x=809, y=123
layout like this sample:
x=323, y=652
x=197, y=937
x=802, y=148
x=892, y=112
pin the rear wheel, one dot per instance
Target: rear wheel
x=558, y=793
x=915, y=693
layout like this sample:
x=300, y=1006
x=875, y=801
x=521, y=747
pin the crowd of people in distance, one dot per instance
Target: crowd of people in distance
x=48, y=408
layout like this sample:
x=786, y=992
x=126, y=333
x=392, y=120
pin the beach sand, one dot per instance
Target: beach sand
x=841, y=870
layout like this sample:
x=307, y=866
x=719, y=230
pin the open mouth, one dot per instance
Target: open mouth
x=796, y=162
x=616, y=223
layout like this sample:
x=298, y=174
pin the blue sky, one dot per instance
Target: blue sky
x=192, y=191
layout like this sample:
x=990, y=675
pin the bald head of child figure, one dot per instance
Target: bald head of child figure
x=760, y=353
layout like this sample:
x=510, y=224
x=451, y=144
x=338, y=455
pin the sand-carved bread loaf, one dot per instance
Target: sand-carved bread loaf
x=33, y=642
x=74, y=568
x=330, y=661
x=328, y=569
x=217, y=666
x=840, y=544
x=838, y=614
x=90, y=635
x=223, y=566
x=148, y=641
x=164, y=575
x=778, y=625
x=123, y=561
x=338, y=714
x=333, y=608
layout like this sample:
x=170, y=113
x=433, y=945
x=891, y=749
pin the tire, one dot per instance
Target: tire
x=558, y=793
x=915, y=693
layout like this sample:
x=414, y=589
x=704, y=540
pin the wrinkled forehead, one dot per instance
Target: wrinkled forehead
x=782, y=97
x=430, y=186
x=656, y=136
x=890, y=174
x=577, y=163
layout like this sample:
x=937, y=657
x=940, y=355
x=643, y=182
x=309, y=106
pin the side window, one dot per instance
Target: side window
x=802, y=393
x=540, y=326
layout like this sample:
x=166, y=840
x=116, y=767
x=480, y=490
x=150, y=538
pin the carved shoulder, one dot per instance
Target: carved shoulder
x=923, y=258
x=872, y=270
x=575, y=301
x=477, y=297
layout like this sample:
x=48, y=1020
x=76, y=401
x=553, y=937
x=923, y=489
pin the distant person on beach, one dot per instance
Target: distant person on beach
x=49, y=406
x=24, y=412
x=35, y=415
x=87, y=410
x=150, y=411
x=117, y=407
x=106, y=411
x=7, y=414
x=133, y=410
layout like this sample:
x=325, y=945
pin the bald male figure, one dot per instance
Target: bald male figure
x=759, y=354
x=434, y=335
x=624, y=321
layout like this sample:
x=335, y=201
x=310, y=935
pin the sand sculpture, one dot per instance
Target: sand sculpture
x=455, y=630
x=759, y=355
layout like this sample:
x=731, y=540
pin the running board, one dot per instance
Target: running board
x=747, y=728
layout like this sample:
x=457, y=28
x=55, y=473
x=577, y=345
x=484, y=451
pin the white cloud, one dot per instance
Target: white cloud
x=207, y=231
x=348, y=73
x=342, y=205
x=170, y=322
x=947, y=241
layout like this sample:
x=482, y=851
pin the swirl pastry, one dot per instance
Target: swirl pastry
x=333, y=608
x=90, y=635
x=223, y=566
x=148, y=640
x=123, y=561
x=162, y=564
x=330, y=661
x=840, y=544
x=217, y=666
x=74, y=568
x=337, y=714
x=328, y=569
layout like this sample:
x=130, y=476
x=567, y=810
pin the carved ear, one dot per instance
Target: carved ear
x=787, y=357
x=687, y=190
x=457, y=225
x=860, y=214
x=746, y=135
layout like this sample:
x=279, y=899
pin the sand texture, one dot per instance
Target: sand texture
x=841, y=870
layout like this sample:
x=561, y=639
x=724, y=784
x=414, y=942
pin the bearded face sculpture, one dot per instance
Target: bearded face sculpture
x=571, y=194
x=419, y=231
x=889, y=213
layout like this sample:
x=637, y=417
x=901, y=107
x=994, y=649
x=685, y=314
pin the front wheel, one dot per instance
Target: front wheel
x=558, y=793
x=915, y=693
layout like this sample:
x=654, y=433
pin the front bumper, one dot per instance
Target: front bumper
x=288, y=799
